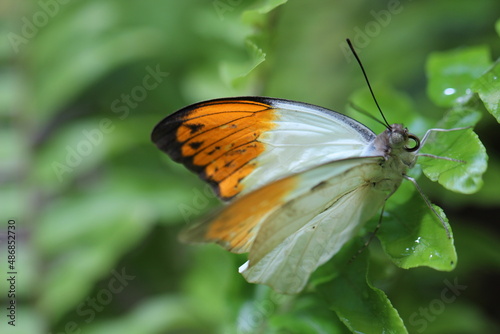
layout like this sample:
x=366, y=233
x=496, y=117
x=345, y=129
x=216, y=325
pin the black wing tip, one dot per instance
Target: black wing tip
x=173, y=121
x=167, y=127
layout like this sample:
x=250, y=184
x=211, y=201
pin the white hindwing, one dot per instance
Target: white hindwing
x=312, y=227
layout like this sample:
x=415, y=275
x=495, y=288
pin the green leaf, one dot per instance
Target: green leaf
x=463, y=177
x=451, y=74
x=254, y=316
x=413, y=236
x=212, y=286
x=360, y=306
x=155, y=315
x=33, y=323
x=293, y=324
x=306, y=314
x=86, y=237
x=257, y=16
x=234, y=74
x=488, y=88
x=237, y=60
x=79, y=63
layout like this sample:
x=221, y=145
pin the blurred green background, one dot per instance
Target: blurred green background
x=98, y=207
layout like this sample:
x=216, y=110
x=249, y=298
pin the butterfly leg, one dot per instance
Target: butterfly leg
x=371, y=236
x=428, y=203
x=439, y=157
x=428, y=133
x=426, y=136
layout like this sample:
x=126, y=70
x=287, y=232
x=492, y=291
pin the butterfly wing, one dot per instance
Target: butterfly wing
x=236, y=225
x=310, y=228
x=295, y=224
x=240, y=144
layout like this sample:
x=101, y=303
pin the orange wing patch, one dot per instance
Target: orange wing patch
x=217, y=139
x=237, y=225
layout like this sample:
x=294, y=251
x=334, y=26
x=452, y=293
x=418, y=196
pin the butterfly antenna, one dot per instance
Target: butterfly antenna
x=364, y=112
x=367, y=81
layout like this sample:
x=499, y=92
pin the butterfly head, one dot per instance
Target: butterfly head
x=398, y=137
x=396, y=142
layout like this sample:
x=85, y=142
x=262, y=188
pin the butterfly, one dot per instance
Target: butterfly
x=299, y=180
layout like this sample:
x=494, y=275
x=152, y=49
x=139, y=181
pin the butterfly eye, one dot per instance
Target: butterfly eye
x=417, y=143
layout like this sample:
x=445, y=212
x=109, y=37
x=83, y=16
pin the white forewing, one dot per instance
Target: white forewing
x=305, y=136
x=312, y=227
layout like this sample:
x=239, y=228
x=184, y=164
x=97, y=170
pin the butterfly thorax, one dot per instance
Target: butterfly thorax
x=399, y=155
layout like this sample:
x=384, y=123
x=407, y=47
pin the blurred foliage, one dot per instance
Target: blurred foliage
x=98, y=208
